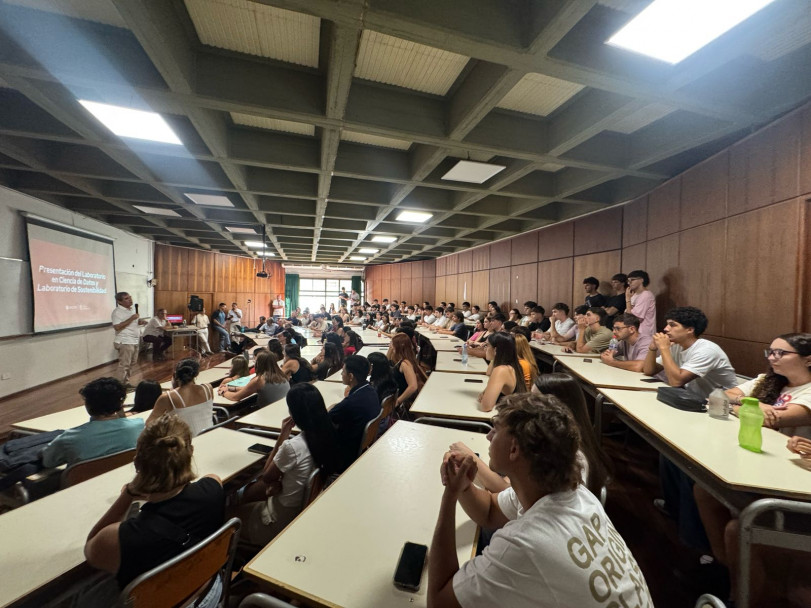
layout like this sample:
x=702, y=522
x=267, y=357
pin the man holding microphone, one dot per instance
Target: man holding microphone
x=126, y=324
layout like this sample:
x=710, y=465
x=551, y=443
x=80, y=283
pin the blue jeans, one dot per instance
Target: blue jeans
x=225, y=339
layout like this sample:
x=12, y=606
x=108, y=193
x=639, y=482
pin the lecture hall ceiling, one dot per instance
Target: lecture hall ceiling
x=324, y=119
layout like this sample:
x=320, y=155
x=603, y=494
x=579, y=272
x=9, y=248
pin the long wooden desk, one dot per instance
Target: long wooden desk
x=547, y=353
x=448, y=395
x=66, y=419
x=369, y=337
x=206, y=376
x=440, y=342
x=447, y=361
x=271, y=416
x=343, y=549
x=592, y=371
x=707, y=450
x=45, y=539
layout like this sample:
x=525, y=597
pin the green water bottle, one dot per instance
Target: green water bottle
x=749, y=434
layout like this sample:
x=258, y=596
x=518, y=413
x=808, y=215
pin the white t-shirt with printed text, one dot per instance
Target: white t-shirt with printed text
x=800, y=395
x=706, y=360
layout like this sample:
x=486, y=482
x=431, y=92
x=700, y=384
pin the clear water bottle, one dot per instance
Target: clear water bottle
x=464, y=353
x=750, y=433
x=614, y=345
x=718, y=404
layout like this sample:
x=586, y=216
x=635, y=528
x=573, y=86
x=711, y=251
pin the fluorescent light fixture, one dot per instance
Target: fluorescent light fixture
x=357, y=258
x=472, y=172
x=255, y=244
x=240, y=230
x=368, y=250
x=212, y=200
x=383, y=239
x=671, y=30
x=157, y=210
x=417, y=217
x=127, y=122
x=269, y=254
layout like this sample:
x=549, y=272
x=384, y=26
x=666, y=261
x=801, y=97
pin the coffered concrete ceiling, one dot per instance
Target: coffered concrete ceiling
x=323, y=119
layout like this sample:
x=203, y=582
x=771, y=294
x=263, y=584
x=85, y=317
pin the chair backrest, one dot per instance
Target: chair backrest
x=705, y=601
x=260, y=600
x=87, y=469
x=315, y=483
x=186, y=576
x=388, y=405
x=452, y=423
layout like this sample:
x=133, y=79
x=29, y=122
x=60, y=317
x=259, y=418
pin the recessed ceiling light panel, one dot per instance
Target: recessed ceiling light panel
x=383, y=239
x=672, y=30
x=416, y=217
x=255, y=244
x=157, y=210
x=128, y=122
x=212, y=200
x=357, y=258
x=240, y=230
x=368, y=250
x=472, y=172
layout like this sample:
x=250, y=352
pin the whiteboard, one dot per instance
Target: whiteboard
x=15, y=298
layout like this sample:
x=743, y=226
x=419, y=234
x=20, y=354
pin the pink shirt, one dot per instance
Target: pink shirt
x=643, y=305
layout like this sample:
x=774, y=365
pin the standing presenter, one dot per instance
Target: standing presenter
x=127, y=339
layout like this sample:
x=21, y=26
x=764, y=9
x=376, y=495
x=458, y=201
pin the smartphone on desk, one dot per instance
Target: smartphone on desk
x=474, y=380
x=260, y=448
x=409, y=568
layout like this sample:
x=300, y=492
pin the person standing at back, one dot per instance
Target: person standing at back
x=234, y=319
x=641, y=302
x=593, y=297
x=201, y=322
x=218, y=323
x=278, y=307
x=127, y=339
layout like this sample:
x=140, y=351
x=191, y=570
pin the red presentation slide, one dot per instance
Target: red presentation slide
x=72, y=286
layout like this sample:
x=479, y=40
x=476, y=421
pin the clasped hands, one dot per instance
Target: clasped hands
x=458, y=471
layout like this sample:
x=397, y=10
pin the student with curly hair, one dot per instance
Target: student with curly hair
x=192, y=402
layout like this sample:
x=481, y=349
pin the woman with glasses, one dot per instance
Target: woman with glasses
x=784, y=396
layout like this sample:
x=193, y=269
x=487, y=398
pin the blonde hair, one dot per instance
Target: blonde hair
x=163, y=456
x=524, y=351
x=267, y=368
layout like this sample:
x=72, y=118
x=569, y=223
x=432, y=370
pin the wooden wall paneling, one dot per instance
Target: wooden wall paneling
x=385, y=289
x=499, y=288
x=396, y=273
x=201, y=271
x=406, y=291
x=554, y=282
x=523, y=285
x=174, y=302
x=805, y=151
x=556, y=242
x=385, y=272
x=501, y=254
x=441, y=266
x=439, y=290
x=221, y=282
x=803, y=322
x=704, y=192
x=480, y=289
x=664, y=209
x=634, y=258
x=466, y=261
x=416, y=270
x=452, y=264
x=635, y=222
x=599, y=265
x=598, y=232
x=428, y=290
x=524, y=249
x=429, y=268
x=172, y=267
x=464, y=288
x=787, y=133
x=481, y=258
x=702, y=253
x=450, y=289
x=746, y=356
x=763, y=289
x=405, y=271
x=260, y=306
x=666, y=278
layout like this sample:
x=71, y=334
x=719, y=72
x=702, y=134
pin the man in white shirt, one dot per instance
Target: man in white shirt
x=233, y=319
x=278, y=307
x=201, y=322
x=428, y=317
x=563, y=328
x=632, y=346
x=527, y=318
x=554, y=545
x=155, y=334
x=466, y=309
x=127, y=334
x=475, y=314
x=442, y=320
x=686, y=360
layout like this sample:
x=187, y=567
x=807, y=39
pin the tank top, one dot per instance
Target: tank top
x=198, y=416
x=302, y=374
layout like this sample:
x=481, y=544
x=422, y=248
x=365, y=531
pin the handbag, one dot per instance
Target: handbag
x=681, y=399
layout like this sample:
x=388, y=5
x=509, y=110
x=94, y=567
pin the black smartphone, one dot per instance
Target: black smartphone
x=586, y=360
x=409, y=568
x=458, y=360
x=650, y=380
x=261, y=448
x=476, y=380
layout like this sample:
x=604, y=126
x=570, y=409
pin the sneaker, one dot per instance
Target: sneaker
x=661, y=506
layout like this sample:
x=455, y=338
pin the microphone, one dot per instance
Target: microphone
x=136, y=309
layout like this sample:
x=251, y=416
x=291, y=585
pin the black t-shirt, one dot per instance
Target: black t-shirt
x=199, y=510
x=460, y=331
x=617, y=302
x=542, y=326
x=595, y=299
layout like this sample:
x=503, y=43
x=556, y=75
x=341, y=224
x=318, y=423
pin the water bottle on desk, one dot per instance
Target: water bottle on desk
x=750, y=434
x=464, y=353
x=718, y=404
x=614, y=345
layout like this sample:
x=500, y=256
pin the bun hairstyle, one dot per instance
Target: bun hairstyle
x=163, y=456
x=186, y=371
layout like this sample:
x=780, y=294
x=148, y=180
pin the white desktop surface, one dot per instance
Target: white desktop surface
x=271, y=416
x=448, y=395
x=451, y=361
x=600, y=375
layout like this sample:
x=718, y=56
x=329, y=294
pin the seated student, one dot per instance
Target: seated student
x=478, y=331
x=466, y=309
x=146, y=394
x=526, y=358
x=506, y=375
x=351, y=415
x=357, y=317
x=192, y=402
x=155, y=334
x=537, y=321
x=527, y=318
x=381, y=375
x=260, y=326
x=269, y=384
x=294, y=318
x=559, y=542
x=493, y=307
x=510, y=325
x=352, y=343
x=395, y=311
x=295, y=367
x=593, y=336
x=784, y=394
x=514, y=316
x=329, y=361
x=408, y=374
x=680, y=357
x=632, y=347
x=615, y=304
x=593, y=297
x=562, y=329
x=441, y=321
x=337, y=326
x=428, y=316
x=318, y=325
x=287, y=336
x=269, y=505
x=495, y=324
x=128, y=547
x=108, y=431
x=475, y=313
x=239, y=369
x=411, y=313
x=458, y=328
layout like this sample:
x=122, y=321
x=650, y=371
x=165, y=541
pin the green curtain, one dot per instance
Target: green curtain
x=291, y=283
x=357, y=285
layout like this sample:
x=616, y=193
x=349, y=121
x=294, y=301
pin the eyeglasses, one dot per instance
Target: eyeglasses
x=777, y=353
